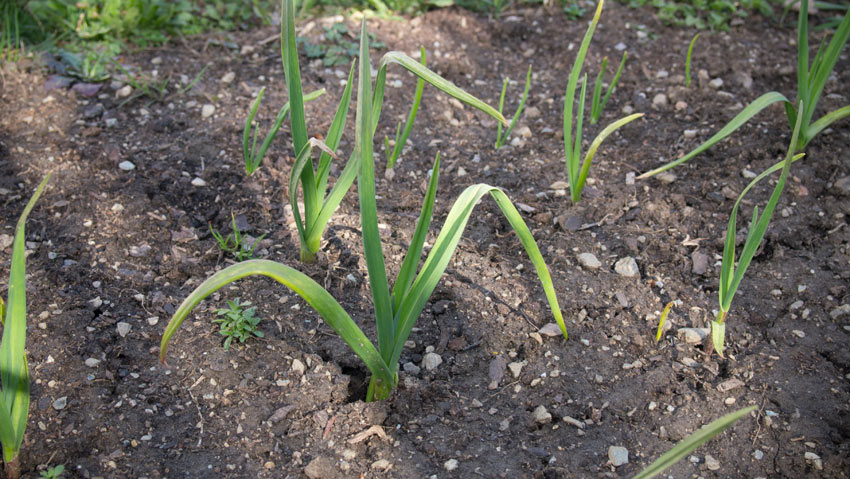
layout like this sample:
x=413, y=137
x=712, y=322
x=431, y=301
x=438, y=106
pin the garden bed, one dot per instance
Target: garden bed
x=115, y=250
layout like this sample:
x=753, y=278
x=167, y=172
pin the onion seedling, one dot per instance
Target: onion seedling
x=501, y=139
x=396, y=310
x=401, y=135
x=811, y=80
x=318, y=208
x=730, y=273
x=662, y=320
x=688, y=61
x=250, y=154
x=576, y=169
x=598, y=102
x=690, y=443
x=14, y=372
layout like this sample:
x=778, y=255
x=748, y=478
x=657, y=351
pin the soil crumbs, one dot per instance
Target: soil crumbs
x=122, y=235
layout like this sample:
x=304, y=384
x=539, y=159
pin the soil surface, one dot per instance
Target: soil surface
x=113, y=252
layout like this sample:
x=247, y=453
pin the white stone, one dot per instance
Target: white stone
x=199, y=182
x=123, y=328
x=450, y=465
x=541, y=415
x=431, y=361
x=711, y=463
x=627, y=267
x=92, y=362
x=589, y=261
x=126, y=165
x=516, y=368
x=207, y=110
x=228, y=77
x=298, y=366
x=618, y=455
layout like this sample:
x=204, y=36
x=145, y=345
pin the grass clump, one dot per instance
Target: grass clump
x=235, y=243
x=396, y=309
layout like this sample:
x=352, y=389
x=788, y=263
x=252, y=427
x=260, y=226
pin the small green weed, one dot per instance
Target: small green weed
x=502, y=138
x=54, y=472
x=237, y=322
x=235, y=243
x=688, y=59
x=703, y=14
x=598, y=102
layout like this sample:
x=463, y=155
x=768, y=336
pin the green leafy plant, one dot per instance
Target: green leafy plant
x=54, y=472
x=235, y=243
x=396, y=310
x=688, y=61
x=402, y=134
x=574, y=10
x=238, y=322
x=250, y=154
x=88, y=67
x=811, y=80
x=598, y=101
x=500, y=138
x=731, y=273
x=692, y=442
x=702, y=14
x=576, y=169
x=14, y=371
x=313, y=181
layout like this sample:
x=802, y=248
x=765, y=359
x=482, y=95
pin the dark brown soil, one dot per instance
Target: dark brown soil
x=110, y=246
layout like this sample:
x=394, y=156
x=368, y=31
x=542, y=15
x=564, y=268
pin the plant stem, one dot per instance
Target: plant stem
x=13, y=468
x=307, y=256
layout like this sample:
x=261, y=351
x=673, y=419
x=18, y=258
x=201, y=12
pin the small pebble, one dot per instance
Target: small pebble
x=431, y=361
x=228, y=77
x=123, y=329
x=716, y=83
x=659, y=100
x=92, y=362
x=298, y=366
x=126, y=165
x=207, y=110
x=199, y=182
x=618, y=455
x=589, y=261
x=516, y=368
x=711, y=463
x=627, y=267
x=60, y=403
x=541, y=415
x=666, y=177
x=450, y=465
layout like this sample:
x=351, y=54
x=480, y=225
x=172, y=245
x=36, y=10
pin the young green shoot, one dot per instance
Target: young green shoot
x=598, y=102
x=811, y=80
x=402, y=134
x=235, y=243
x=14, y=371
x=500, y=138
x=396, y=309
x=577, y=169
x=237, y=322
x=662, y=320
x=692, y=442
x=54, y=472
x=731, y=273
x=312, y=179
x=688, y=61
x=250, y=154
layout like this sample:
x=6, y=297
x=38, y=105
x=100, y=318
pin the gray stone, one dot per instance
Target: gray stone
x=123, y=329
x=298, y=366
x=618, y=455
x=411, y=368
x=627, y=267
x=711, y=463
x=541, y=415
x=589, y=261
x=516, y=368
x=842, y=310
x=207, y=110
x=60, y=403
x=92, y=362
x=322, y=468
x=659, y=101
x=842, y=186
x=692, y=335
x=700, y=262
x=93, y=111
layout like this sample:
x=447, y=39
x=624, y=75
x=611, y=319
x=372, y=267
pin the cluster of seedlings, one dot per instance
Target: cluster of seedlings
x=397, y=308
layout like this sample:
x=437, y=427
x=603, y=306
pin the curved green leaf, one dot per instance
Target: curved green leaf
x=575, y=192
x=744, y=116
x=690, y=443
x=316, y=296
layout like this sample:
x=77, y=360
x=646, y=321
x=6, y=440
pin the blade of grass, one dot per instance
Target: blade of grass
x=15, y=374
x=688, y=59
x=662, y=320
x=690, y=443
x=518, y=112
x=591, y=152
x=744, y=116
x=368, y=206
x=402, y=134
